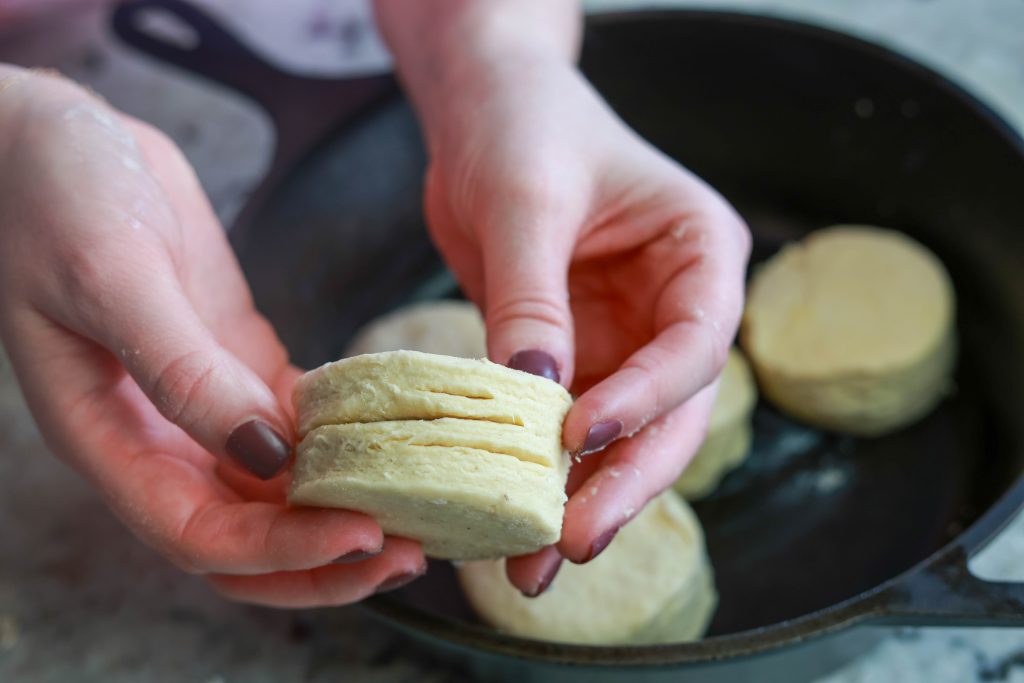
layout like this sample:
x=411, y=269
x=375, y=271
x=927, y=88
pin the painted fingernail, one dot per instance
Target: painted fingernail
x=397, y=581
x=355, y=556
x=600, y=435
x=600, y=543
x=257, y=447
x=545, y=581
x=536, y=363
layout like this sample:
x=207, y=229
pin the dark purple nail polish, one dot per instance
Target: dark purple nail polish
x=600, y=435
x=258, y=448
x=545, y=580
x=600, y=543
x=397, y=581
x=355, y=556
x=536, y=363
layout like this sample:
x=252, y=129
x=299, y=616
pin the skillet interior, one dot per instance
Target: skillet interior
x=799, y=128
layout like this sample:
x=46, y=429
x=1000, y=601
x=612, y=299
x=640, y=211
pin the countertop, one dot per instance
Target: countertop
x=81, y=600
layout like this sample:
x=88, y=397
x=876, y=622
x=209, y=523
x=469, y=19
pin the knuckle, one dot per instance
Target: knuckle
x=82, y=269
x=86, y=280
x=187, y=554
x=272, y=536
x=534, y=307
x=650, y=365
x=178, y=385
x=718, y=346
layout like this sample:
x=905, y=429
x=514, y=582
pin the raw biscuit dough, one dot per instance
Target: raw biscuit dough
x=730, y=431
x=852, y=329
x=653, y=584
x=463, y=455
x=451, y=328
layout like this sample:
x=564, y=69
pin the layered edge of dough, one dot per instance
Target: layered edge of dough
x=463, y=455
x=408, y=385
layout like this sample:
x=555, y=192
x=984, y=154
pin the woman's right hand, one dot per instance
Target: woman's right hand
x=134, y=338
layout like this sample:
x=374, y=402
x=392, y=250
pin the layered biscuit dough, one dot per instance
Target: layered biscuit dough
x=653, y=584
x=852, y=329
x=463, y=455
x=730, y=431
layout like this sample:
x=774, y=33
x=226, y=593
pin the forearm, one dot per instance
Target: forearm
x=447, y=51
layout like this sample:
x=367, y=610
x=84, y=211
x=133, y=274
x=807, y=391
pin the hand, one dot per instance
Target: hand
x=582, y=242
x=597, y=261
x=134, y=337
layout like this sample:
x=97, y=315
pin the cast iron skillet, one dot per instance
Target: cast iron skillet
x=799, y=127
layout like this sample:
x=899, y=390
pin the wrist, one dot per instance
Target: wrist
x=450, y=54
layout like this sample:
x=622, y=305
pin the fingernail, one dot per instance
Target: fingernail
x=397, y=581
x=258, y=448
x=536, y=363
x=600, y=435
x=355, y=556
x=545, y=580
x=600, y=543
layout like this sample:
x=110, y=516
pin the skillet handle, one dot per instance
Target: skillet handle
x=303, y=109
x=944, y=592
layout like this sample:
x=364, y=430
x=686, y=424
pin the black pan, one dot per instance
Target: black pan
x=800, y=127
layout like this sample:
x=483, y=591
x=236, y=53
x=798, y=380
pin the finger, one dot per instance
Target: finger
x=696, y=317
x=227, y=309
x=461, y=254
x=158, y=481
x=119, y=280
x=632, y=472
x=137, y=309
x=533, y=573
x=527, y=244
x=250, y=487
x=401, y=562
x=203, y=530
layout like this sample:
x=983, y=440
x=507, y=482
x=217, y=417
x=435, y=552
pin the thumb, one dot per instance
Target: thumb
x=193, y=381
x=526, y=301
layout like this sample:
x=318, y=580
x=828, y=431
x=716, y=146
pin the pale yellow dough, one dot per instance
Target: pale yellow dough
x=408, y=385
x=653, y=584
x=451, y=328
x=852, y=329
x=463, y=455
x=729, y=431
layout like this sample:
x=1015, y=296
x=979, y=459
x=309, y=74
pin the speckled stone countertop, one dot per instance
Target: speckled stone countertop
x=81, y=600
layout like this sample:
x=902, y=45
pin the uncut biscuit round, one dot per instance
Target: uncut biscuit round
x=422, y=481
x=730, y=431
x=852, y=329
x=409, y=385
x=653, y=584
x=452, y=328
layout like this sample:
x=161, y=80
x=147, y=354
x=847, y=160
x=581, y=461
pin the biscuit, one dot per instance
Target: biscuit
x=452, y=328
x=730, y=431
x=852, y=329
x=653, y=584
x=462, y=455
